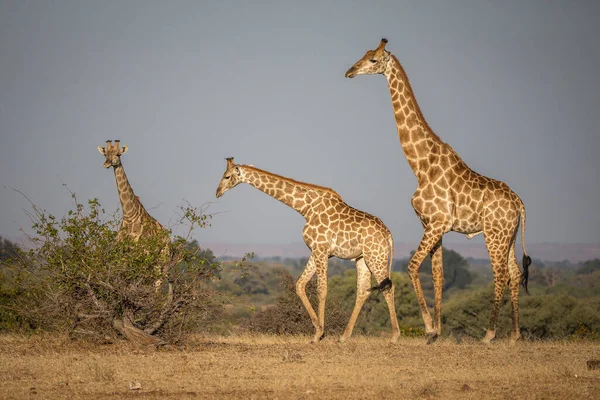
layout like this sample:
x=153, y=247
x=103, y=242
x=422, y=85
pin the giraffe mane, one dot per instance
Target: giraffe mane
x=295, y=182
x=417, y=107
x=420, y=114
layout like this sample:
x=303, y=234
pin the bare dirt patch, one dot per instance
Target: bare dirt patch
x=288, y=367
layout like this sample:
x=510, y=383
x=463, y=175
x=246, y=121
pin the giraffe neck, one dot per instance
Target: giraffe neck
x=297, y=195
x=130, y=204
x=416, y=137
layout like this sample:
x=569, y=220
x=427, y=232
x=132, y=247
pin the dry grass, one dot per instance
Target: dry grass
x=287, y=367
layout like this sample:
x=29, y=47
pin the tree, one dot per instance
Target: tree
x=90, y=284
x=8, y=249
x=589, y=267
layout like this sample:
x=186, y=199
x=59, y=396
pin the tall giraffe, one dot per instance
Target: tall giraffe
x=137, y=222
x=450, y=196
x=332, y=229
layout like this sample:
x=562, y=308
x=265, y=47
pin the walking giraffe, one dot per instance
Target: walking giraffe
x=451, y=197
x=332, y=229
x=137, y=222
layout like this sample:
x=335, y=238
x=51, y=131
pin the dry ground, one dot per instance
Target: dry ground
x=284, y=367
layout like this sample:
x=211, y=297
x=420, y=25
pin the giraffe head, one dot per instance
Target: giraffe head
x=231, y=178
x=373, y=62
x=112, y=153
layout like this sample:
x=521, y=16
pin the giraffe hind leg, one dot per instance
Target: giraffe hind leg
x=363, y=280
x=515, y=280
x=382, y=275
x=497, y=244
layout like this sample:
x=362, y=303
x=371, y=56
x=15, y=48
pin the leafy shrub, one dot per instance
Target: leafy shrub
x=555, y=316
x=80, y=279
x=288, y=315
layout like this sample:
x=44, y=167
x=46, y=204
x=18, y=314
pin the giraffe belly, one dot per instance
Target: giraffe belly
x=466, y=220
x=347, y=255
x=346, y=250
x=469, y=228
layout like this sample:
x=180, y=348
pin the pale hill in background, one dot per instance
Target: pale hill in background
x=573, y=252
x=475, y=248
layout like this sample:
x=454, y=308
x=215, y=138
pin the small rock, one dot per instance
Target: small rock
x=593, y=364
x=135, y=385
x=466, y=388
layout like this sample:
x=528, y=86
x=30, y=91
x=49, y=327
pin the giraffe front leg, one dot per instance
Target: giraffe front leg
x=363, y=280
x=437, y=273
x=321, y=264
x=301, y=283
x=432, y=235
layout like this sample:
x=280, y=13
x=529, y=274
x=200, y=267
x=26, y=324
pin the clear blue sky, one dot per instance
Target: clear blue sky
x=513, y=86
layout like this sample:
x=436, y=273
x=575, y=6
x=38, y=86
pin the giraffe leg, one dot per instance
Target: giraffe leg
x=162, y=268
x=497, y=244
x=363, y=281
x=389, y=298
x=515, y=280
x=437, y=273
x=381, y=270
x=301, y=283
x=433, y=234
x=321, y=263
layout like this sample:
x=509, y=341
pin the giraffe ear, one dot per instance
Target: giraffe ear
x=102, y=150
x=123, y=150
x=237, y=170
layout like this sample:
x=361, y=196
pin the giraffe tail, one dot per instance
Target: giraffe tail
x=387, y=282
x=526, y=258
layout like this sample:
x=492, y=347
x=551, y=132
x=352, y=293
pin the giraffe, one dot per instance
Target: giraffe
x=450, y=196
x=332, y=229
x=137, y=222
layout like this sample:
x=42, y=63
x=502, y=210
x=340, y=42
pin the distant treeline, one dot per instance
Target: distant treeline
x=260, y=296
x=564, y=300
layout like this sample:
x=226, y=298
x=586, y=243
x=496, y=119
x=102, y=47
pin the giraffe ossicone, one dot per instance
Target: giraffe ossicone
x=450, y=196
x=332, y=229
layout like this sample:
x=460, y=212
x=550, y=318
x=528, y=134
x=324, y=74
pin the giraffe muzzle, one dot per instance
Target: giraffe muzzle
x=350, y=73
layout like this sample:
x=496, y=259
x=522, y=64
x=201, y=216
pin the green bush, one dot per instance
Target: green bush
x=78, y=278
x=552, y=316
x=288, y=315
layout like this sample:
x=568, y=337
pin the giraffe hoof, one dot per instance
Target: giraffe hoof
x=489, y=337
x=431, y=337
x=488, y=341
x=318, y=338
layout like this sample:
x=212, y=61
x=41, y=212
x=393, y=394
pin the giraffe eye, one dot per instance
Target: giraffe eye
x=227, y=177
x=373, y=61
